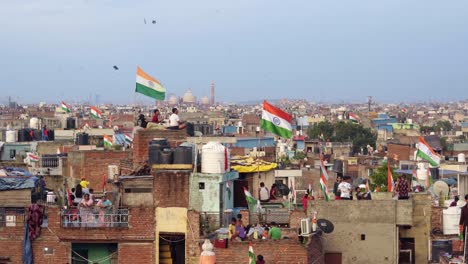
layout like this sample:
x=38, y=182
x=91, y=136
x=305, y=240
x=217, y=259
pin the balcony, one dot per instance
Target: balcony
x=49, y=165
x=74, y=217
x=11, y=217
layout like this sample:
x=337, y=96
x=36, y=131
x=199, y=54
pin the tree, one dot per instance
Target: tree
x=356, y=133
x=379, y=177
x=324, y=128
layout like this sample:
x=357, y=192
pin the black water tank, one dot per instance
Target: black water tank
x=71, y=123
x=37, y=134
x=51, y=135
x=155, y=147
x=83, y=139
x=23, y=135
x=190, y=129
x=167, y=156
x=183, y=155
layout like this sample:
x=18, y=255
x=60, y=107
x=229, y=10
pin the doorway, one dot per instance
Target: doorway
x=171, y=248
x=239, y=195
x=84, y=253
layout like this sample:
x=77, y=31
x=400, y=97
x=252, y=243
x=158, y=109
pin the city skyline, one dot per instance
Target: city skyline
x=322, y=51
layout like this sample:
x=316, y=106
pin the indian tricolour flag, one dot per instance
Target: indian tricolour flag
x=324, y=180
x=149, y=86
x=248, y=196
x=354, y=118
x=252, y=259
x=425, y=152
x=276, y=121
x=128, y=138
x=33, y=158
x=65, y=107
x=108, y=141
x=95, y=112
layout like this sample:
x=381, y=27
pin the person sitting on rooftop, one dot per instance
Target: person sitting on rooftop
x=174, y=120
x=84, y=183
x=155, y=118
x=275, y=232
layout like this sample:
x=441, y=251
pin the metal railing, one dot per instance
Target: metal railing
x=11, y=217
x=211, y=221
x=49, y=162
x=267, y=216
x=74, y=217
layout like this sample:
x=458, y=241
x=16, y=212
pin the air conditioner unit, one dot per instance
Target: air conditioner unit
x=305, y=227
x=11, y=220
x=113, y=170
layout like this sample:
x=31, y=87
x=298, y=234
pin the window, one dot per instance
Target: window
x=12, y=153
x=201, y=186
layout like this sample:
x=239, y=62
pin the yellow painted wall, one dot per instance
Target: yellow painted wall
x=169, y=220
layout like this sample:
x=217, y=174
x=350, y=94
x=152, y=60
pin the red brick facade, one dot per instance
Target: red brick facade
x=274, y=252
x=93, y=165
x=171, y=188
x=135, y=242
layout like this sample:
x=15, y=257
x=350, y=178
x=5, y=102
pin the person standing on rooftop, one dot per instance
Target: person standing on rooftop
x=345, y=188
x=263, y=193
x=275, y=232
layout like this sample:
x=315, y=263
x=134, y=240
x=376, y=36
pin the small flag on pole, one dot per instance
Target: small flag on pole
x=95, y=112
x=33, y=158
x=128, y=138
x=108, y=141
x=389, y=178
x=250, y=199
x=324, y=180
x=252, y=259
x=429, y=178
x=65, y=107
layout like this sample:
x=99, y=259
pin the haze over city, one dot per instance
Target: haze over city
x=335, y=51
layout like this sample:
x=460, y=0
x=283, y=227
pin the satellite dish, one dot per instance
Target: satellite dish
x=440, y=187
x=326, y=226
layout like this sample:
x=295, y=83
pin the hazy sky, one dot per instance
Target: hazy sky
x=322, y=50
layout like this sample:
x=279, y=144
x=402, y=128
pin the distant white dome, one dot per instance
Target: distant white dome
x=173, y=100
x=188, y=97
x=205, y=100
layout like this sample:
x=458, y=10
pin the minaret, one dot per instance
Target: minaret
x=212, y=98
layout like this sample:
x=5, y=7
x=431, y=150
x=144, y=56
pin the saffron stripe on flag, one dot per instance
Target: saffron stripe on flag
x=276, y=111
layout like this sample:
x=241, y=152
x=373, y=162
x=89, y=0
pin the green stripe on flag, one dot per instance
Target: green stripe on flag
x=150, y=92
x=282, y=132
x=424, y=156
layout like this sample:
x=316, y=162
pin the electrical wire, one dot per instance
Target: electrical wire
x=171, y=241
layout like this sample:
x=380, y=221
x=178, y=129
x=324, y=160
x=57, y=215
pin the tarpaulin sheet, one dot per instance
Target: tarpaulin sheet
x=17, y=183
x=254, y=168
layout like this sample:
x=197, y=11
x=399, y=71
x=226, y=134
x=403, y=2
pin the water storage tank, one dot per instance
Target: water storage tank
x=155, y=147
x=461, y=157
x=11, y=136
x=183, y=155
x=451, y=218
x=213, y=158
x=167, y=156
x=23, y=135
x=83, y=139
x=51, y=135
x=34, y=123
x=71, y=123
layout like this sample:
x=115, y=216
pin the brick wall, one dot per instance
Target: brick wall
x=282, y=251
x=404, y=152
x=126, y=165
x=136, y=253
x=144, y=136
x=93, y=165
x=140, y=231
x=171, y=188
x=436, y=217
x=192, y=242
